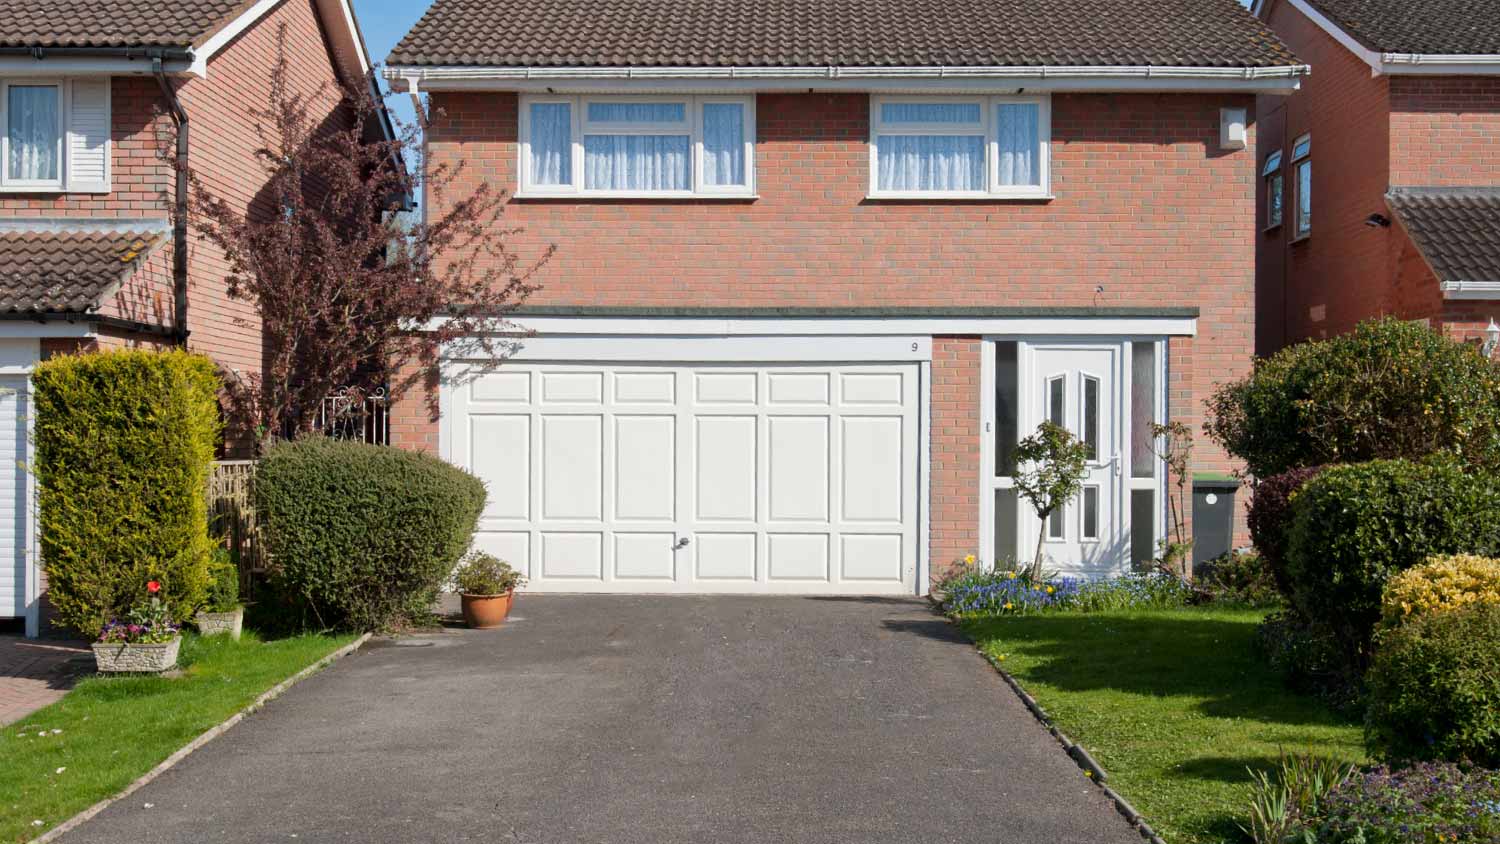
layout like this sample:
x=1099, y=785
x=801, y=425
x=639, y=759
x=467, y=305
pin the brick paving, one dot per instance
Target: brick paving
x=34, y=673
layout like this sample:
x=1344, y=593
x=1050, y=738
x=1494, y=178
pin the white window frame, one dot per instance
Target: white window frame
x=1298, y=160
x=1271, y=173
x=692, y=127
x=985, y=127
x=34, y=185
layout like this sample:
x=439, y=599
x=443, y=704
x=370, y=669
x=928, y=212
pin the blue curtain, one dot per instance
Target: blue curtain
x=551, y=144
x=632, y=112
x=723, y=144
x=1016, y=126
x=635, y=162
x=33, y=132
x=929, y=112
x=930, y=163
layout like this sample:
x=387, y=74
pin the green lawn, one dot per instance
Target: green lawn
x=113, y=729
x=1173, y=703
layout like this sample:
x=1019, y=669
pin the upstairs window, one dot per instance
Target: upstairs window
x=1302, y=175
x=959, y=147
x=1271, y=173
x=54, y=135
x=637, y=146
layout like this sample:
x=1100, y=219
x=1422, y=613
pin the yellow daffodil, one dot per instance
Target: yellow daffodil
x=969, y=559
x=1011, y=575
x=1050, y=590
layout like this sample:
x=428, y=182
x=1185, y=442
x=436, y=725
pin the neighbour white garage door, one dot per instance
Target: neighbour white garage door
x=696, y=478
x=14, y=512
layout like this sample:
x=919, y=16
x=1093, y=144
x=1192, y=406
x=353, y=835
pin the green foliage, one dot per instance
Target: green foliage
x=1354, y=527
x=1270, y=520
x=1240, y=578
x=124, y=444
x=485, y=574
x=363, y=536
x=1389, y=389
x=1435, y=687
x=1282, y=800
x=1309, y=659
x=224, y=590
x=1050, y=469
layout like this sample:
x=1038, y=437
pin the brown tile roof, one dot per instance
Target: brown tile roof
x=1456, y=229
x=67, y=271
x=113, y=23
x=1425, y=26
x=846, y=33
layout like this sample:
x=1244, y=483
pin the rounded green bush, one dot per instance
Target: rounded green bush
x=1354, y=527
x=125, y=442
x=363, y=536
x=1434, y=688
x=1389, y=389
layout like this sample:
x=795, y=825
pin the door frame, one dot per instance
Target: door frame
x=1027, y=399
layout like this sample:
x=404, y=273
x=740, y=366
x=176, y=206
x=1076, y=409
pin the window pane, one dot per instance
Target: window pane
x=1273, y=200
x=1016, y=124
x=1303, y=148
x=1142, y=408
x=1056, y=410
x=1142, y=526
x=723, y=144
x=931, y=163
x=629, y=112
x=1006, y=537
x=551, y=144
x=1304, y=197
x=1273, y=163
x=635, y=162
x=1007, y=408
x=929, y=112
x=1055, y=524
x=33, y=133
x=1091, y=416
x=1090, y=512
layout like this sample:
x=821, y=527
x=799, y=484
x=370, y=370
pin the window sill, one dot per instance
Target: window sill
x=1301, y=238
x=918, y=196
x=54, y=189
x=1274, y=227
x=636, y=196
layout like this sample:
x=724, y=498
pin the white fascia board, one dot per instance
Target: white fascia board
x=13, y=329
x=1400, y=64
x=887, y=326
x=710, y=349
x=1471, y=289
x=54, y=65
x=1279, y=79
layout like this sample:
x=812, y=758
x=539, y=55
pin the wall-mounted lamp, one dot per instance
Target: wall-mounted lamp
x=1491, y=339
x=1379, y=220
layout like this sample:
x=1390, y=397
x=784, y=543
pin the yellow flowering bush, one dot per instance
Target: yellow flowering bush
x=1441, y=583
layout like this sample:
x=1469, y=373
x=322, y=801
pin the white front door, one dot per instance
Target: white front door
x=657, y=477
x=15, y=512
x=1078, y=387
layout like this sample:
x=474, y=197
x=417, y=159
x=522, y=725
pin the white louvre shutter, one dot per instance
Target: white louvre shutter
x=88, y=136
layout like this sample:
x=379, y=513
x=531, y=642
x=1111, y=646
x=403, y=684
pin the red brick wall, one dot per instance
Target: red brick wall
x=955, y=446
x=1341, y=274
x=1445, y=130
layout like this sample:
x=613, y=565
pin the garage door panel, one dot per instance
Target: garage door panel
x=502, y=388
x=798, y=388
x=872, y=389
x=798, y=468
x=514, y=547
x=724, y=471
x=724, y=556
x=648, y=388
x=644, y=556
x=725, y=388
x=871, y=557
x=572, y=388
x=572, y=467
x=872, y=468
x=797, y=556
x=500, y=446
x=645, y=468
x=572, y=556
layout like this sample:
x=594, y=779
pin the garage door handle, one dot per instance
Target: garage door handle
x=681, y=543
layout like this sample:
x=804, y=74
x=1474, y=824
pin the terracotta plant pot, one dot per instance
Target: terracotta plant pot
x=136, y=657
x=485, y=611
x=215, y=623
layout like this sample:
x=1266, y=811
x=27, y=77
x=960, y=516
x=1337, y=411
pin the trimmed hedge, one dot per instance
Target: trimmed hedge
x=1354, y=527
x=1435, y=688
x=1390, y=389
x=124, y=445
x=363, y=536
x=1441, y=584
x=1269, y=519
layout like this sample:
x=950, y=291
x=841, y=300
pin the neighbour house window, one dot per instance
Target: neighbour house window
x=1302, y=180
x=954, y=147
x=637, y=146
x=1273, y=178
x=54, y=135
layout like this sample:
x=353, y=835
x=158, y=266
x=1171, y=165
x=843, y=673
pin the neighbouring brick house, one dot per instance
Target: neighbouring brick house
x=88, y=254
x=1381, y=176
x=821, y=264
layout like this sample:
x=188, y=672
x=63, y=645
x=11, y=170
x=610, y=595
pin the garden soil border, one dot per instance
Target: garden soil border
x=1091, y=768
x=207, y=736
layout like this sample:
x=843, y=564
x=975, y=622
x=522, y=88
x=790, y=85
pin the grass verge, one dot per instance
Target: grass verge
x=108, y=731
x=1175, y=704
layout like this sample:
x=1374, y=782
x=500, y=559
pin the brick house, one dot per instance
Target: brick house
x=820, y=265
x=1401, y=214
x=89, y=90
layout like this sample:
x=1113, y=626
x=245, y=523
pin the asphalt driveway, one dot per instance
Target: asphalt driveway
x=640, y=719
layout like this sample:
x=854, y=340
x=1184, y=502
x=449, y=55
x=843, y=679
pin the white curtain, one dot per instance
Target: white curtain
x=551, y=144
x=634, y=112
x=635, y=162
x=723, y=144
x=1016, y=126
x=931, y=162
x=929, y=113
x=33, y=132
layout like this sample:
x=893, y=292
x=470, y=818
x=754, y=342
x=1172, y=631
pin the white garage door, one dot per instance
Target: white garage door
x=14, y=512
x=696, y=478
